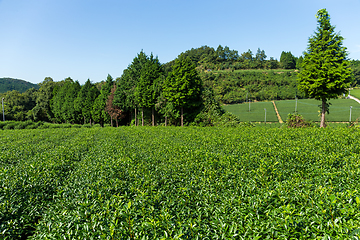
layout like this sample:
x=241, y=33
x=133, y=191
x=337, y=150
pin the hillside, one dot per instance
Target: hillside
x=237, y=86
x=9, y=84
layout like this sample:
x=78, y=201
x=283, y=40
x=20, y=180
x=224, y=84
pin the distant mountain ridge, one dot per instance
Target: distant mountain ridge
x=9, y=84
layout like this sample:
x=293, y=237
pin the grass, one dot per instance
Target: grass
x=256, y=114
x=310, y=110
x=355, y=92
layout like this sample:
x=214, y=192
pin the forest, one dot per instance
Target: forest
x=188, y=90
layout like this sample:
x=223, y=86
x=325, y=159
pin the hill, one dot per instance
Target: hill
x=9, y=84
x=240, y=85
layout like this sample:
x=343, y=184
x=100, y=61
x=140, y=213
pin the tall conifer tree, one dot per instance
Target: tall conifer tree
x=325, y=72
x=183, y=86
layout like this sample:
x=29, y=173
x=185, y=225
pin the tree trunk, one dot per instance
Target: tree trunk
x=323, y=111
x=182, y=116
x=135, y=118
x=111, y=121
x=117, y=122
x=165, y=121
x=84, y=120
x=130, y=117
x=142, y=116
x=153, y=117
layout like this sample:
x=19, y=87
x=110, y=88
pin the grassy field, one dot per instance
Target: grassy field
x=180, y=183
x=256, y=114
x=355, y=92
x=308, y=108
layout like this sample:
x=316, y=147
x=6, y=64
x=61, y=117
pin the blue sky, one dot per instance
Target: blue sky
x=85, y=39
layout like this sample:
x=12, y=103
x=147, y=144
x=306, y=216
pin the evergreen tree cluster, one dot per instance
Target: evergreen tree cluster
x=145, y=92
x=147, y=86
x=208, y=59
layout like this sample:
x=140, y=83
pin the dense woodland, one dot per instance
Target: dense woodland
x=188, y=90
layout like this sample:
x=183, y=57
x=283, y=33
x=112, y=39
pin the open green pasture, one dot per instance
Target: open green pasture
x=355, y=92
x=256, y=113
x=310, y=110
x=180, y=183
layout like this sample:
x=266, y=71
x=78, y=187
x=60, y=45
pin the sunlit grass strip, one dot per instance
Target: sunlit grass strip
x=355, y=92
x=309, y=109
x=256, y=113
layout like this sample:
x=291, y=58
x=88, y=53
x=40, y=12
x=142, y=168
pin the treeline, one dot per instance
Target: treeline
x=186, y=90
x=145, y=94
x=209, y=59
x=236, y=87
x=9, y=84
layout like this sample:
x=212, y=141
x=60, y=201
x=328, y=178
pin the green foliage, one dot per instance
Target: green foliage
x=238, y=86
x=18, y=106
x=62, y=103
x=127, y=94
x=223, y=58
x=98, y=112
x=42, y=110
x=212, y=114
x=325, y=72
x=182, y=87
x=11, y=84
x=299, y=62
x=287, y=60
x=145, y=91
x=85, y=100
x=295, y=120
x=205, y=183
x=355, y=67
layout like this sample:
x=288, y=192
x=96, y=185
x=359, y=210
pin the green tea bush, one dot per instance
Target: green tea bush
x=180, y=183
x=295, y=120
x=10, y=125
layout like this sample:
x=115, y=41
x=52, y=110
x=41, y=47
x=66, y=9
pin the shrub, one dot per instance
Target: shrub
x=297, y=121
x=10, y=125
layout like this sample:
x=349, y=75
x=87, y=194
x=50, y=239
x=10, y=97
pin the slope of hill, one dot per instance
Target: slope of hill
x=240, y=85
x=9, y=84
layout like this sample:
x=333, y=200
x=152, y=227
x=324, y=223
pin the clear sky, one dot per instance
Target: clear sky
x=85, y=39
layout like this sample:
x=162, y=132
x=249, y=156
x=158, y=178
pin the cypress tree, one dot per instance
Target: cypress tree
x=325, y=72
x=183, y=86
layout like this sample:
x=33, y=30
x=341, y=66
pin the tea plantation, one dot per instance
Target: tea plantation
x=180, y=183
